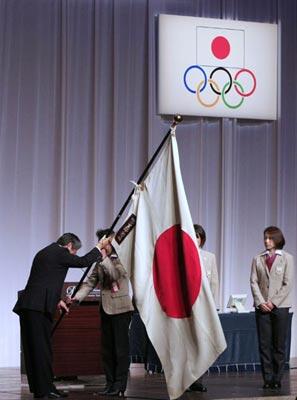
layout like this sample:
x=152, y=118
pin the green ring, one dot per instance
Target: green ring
x=223, y=95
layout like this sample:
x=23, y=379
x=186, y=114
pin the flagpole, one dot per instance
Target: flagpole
x=176, y=120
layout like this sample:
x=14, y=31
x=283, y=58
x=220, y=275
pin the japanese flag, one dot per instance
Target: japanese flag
x=218, y=47
x=157, y=244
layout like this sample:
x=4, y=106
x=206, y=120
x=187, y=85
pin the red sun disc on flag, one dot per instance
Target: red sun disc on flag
x=176, y=272
x=220, y=47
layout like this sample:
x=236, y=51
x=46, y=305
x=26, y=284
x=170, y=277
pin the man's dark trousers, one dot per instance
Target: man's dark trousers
x=36, y=329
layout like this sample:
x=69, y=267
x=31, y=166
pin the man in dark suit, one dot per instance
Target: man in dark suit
x=37, y=304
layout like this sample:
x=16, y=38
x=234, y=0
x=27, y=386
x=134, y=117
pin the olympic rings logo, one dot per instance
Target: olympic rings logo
x=214, y=86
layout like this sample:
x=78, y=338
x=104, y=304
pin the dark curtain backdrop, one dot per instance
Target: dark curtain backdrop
x=78, y=121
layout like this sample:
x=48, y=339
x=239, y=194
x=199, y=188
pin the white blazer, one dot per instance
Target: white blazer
x=274, y=285
x=210, y=266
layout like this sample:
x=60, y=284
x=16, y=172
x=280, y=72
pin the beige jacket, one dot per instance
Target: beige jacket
x=210, y=266
x=274, y=285
x=104, y=273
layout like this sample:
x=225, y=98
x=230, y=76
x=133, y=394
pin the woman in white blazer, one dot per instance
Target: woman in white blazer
x=209, y=263
x=271, y=280
x=210, y=266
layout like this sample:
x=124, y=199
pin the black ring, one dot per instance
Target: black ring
x=230, y=79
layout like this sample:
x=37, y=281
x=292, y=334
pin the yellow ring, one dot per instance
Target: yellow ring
x=208, y=105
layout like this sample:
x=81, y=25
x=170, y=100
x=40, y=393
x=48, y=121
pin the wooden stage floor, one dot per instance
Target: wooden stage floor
x=144, y=386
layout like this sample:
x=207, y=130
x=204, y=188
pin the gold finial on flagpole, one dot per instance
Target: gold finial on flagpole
x=177, y=119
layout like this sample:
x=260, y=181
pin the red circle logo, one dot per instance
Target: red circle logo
x=220, y=47
x=176, y=272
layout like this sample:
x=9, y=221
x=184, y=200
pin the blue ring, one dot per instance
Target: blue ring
x=204, y=74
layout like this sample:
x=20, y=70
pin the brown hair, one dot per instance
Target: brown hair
x=276, y=235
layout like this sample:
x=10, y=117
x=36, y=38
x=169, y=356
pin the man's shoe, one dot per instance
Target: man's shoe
x=105, y=390
x=56, y=394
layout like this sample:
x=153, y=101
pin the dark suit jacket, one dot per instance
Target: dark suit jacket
x=48, y=272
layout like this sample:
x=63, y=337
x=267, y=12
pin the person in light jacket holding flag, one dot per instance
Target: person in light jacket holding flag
x=115, y=309
x=210, y=266
x=272, y=276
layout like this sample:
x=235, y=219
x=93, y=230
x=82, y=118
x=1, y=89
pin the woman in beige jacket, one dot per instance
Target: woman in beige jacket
x=271, y=281
x=115, y=310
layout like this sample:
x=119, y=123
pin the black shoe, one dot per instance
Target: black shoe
x=197, y=387
x=276, y=385
x=105, y=390
x=116, y=392
x=56, y=394
x=267, y=385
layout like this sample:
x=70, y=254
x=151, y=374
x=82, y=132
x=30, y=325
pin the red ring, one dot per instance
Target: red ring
x=254, y=79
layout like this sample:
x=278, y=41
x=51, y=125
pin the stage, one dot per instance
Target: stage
x=142, y=386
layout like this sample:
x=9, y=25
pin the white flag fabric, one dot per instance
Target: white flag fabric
x=157, y=244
